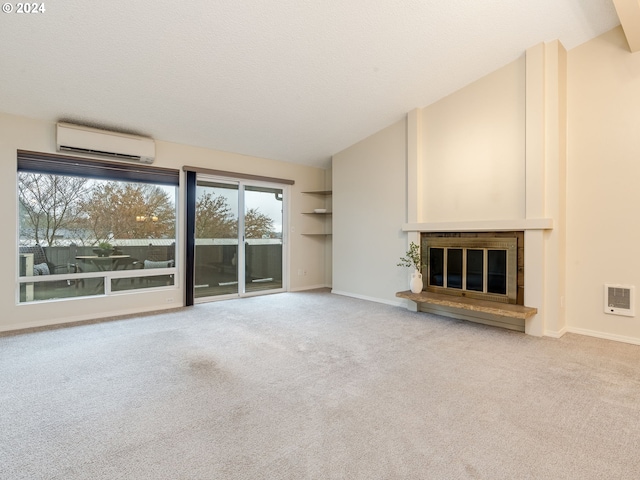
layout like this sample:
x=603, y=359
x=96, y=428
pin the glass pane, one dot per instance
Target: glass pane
x=216, y=250
x=497, y=271
x=475, y=261
x=135, y=283
x=51, y=290
x=436, y=267
x=263, y=238
x=454, y=268
x=75, y=224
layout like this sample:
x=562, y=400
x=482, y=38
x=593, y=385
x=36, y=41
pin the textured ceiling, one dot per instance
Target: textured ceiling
x=293, y=80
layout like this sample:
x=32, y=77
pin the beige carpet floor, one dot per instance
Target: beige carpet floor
x=314, y=386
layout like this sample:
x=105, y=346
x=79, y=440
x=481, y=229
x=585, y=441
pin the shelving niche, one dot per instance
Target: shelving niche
x=326, y=224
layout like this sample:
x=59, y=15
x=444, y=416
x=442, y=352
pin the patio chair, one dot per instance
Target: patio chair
x=42, y=265
x=159, y=257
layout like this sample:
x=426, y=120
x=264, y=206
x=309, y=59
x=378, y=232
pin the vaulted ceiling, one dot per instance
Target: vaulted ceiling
x=293, y=80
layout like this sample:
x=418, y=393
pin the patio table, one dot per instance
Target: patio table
x=112, y=262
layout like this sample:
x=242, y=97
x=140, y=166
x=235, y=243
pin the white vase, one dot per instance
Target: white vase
x=416, y=282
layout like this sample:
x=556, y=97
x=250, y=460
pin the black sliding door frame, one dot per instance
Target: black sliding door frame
x=250, y=182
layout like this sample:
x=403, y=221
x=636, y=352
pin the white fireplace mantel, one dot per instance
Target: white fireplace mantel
x=481, y=226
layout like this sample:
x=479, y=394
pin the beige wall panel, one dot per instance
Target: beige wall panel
x=603, y=232
x=369, y=202
x=474, y=150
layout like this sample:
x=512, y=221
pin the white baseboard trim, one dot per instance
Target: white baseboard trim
x=308, y=287
x=394, y=303
x=604, y=335
x=86, y=318
x=554, y=333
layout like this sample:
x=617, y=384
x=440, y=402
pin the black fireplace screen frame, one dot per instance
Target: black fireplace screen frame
x=463, y=256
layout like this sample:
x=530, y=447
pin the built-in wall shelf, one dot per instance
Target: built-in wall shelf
x=324, y=223
x=319, y=192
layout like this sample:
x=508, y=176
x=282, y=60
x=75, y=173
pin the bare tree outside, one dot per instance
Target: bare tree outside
x=57, y=207
x=49, y=204
x=89, y=212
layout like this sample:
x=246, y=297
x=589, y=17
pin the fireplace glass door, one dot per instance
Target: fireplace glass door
x=473, y=267
x=475, y=270
x=497, y=271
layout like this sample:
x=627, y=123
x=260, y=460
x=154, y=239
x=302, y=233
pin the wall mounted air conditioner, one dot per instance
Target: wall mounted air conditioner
x=102, y=143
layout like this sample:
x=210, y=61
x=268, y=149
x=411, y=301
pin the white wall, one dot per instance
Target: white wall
x=603, y=232
x=369, y=205
x=474, y=150
x=18, y=133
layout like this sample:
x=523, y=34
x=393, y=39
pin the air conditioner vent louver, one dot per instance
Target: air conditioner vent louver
x=102, y=143
x=88, y=151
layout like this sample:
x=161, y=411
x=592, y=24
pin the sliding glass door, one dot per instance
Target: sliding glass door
x=216, y=242
x=263, y=218
x=238, y=245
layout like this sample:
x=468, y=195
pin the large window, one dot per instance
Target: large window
x=90, y=227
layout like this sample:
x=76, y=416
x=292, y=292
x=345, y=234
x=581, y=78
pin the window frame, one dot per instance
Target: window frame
x=96, y=169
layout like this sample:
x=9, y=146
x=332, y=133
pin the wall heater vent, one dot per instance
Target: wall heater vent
x=619, y=300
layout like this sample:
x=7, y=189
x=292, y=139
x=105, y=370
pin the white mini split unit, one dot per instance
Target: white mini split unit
x=619, y=300
x=102, y=143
